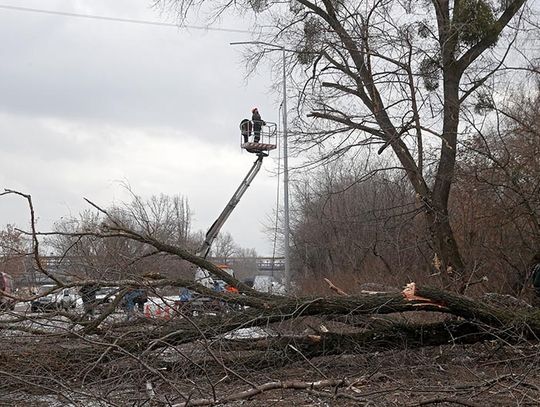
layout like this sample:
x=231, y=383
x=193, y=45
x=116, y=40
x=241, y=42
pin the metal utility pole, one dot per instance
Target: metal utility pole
x=286, y=180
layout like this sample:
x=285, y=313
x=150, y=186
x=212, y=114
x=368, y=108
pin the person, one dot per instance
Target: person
x=88, y=296
x=535, y=278
x=129, y=303
x=140, y=299
x=217, y=287
x=135, y=296
x=258, y=122
x=231, y=289
x=185, y=295
x=245, y=129
x=184, y=303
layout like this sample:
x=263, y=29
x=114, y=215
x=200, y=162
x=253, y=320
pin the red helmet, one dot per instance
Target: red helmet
x=254, y=110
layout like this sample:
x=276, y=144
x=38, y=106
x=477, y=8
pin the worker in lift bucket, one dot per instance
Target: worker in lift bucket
x=257, y=124
x=245, y=129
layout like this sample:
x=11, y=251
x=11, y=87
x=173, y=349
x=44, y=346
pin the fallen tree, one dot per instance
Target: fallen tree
x=204, y=346
x=179, y=360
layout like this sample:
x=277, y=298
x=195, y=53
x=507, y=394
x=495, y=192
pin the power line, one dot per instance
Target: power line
x=145, y=22
x=121, y=20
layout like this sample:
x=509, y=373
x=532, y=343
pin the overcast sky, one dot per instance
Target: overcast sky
x=87, y=104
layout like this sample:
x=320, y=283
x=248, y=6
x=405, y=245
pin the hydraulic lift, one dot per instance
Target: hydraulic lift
x=261, y=149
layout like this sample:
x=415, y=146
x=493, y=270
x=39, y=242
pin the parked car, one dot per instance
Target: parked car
x=6, y=285
x=64, y=299
x=106, y=295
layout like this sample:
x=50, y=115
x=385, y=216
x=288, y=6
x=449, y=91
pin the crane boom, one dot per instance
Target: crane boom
x=217, y=225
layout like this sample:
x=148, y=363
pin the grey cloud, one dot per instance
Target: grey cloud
x=86, y=103
x=122, y=73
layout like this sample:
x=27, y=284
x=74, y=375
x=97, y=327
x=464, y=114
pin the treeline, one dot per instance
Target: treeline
x=360, y=226
x=76, y=248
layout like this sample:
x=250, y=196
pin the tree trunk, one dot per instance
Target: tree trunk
x=452, y=266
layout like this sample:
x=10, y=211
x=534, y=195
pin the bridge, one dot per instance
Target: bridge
x=26, y=273
x=264, y=264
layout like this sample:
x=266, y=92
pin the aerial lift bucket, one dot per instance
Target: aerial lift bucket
x=267, y=138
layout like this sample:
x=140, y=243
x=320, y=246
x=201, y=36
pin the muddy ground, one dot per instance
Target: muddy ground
x=488, y=374
x=57, y=373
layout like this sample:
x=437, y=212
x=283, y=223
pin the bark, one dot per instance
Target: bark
x=485, y=321
x=272, y=309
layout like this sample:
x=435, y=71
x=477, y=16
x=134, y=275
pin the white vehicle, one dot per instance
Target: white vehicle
x=65, y=299
x=203, y=277
x=68, y=298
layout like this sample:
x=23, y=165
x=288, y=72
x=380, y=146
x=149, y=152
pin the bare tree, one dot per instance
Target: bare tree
x=162, y=217
x=223, y=247
x=496, y=205
x=359, y=228
x=15, y=254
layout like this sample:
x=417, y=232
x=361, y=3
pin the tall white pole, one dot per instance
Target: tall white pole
x=286, y=180
x=286, y=225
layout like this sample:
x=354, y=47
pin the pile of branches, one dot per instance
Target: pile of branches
x=188, y=360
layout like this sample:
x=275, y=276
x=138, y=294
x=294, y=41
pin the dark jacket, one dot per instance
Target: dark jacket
x=257, y=120
x=245, y=127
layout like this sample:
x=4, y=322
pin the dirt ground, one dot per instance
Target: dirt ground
x=491, y=373
x=487, y=374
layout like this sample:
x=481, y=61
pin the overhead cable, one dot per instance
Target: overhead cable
x=121, y=20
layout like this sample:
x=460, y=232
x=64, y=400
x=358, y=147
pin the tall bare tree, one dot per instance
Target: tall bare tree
x=357, y=226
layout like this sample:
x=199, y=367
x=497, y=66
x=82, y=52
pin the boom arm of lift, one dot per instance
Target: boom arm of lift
x=216, y=226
